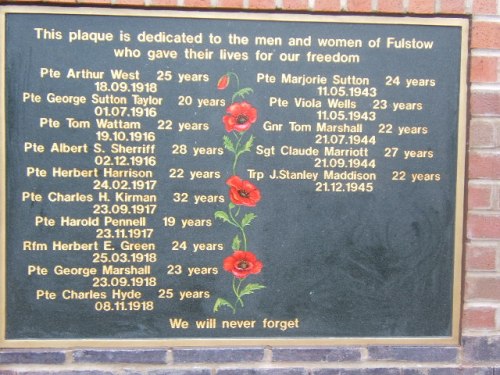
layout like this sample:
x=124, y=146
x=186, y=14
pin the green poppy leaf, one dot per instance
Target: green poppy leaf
x=250, y=288
x=247, y=219
x=222, y=302
x=248, y=145
x=228, y=144
x=236, y=245
x=222, y=216
x=242, y=92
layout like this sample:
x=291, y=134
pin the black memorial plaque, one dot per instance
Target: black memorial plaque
x=171, y=176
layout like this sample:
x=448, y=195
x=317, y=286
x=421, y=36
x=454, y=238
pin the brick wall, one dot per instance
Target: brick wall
x=480, y=349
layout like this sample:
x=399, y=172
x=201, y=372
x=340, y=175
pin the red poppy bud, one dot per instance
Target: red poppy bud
x=242, y=263
x=223, y=82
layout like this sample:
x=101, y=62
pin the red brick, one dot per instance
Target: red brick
x=482, y=133
x=483, y=69
x=262, y=4
x=391, y=6
x=453, y=6
x=130, y=2
x=94, y=1
x=496, y=125
x=484, y=165
x=479, y=318
x=484, y=7
x=163, y=2
x=359, y=5
x=483, y=288
x=230, y=3
x=485, y=35
x=483, y=226
x=198, y=3
x=327, y=5
x=479, y=197
x=480, y=258
x=295, y=4
x=485, y=103
x=422, y=6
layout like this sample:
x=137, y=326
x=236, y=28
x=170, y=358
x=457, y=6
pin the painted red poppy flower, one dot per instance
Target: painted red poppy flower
x=240, y=116
x=223, y=82
x=243, y=192
x=242, y=263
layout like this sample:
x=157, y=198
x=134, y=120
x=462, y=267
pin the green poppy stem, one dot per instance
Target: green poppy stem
x=239, y=226
x=236, y=290
x=232, y=74
x=237, y=152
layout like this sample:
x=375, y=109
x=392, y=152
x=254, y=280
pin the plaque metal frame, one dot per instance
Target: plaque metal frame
x=456, y=294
